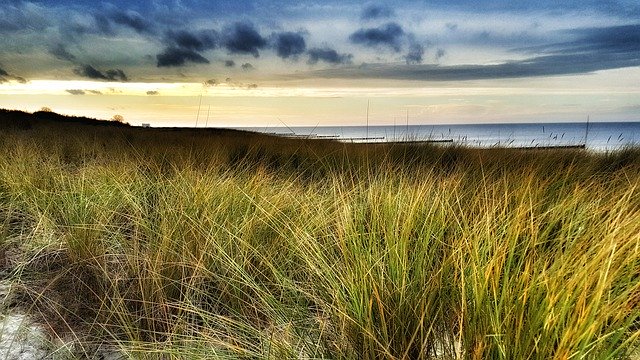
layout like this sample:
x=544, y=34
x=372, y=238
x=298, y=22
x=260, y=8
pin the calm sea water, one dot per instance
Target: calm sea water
x=598, y=136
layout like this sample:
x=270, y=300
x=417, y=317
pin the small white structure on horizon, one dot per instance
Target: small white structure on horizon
x=146, y=125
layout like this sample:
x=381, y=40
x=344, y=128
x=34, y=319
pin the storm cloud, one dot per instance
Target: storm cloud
x=328, y=55
x=290, y=45
x=185, y=47
x=243, y=38
x=196, y=41
x=173, y=56
x=2, y=76
x=373, y=12
x=5, y=76
x=388, y=35
x=90, y=72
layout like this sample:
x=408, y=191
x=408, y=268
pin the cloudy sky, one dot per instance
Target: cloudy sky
x=309, y=62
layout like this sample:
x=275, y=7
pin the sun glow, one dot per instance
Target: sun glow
x=232, y=89
x=234, y=104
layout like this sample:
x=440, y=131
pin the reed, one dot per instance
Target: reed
x=201, y=244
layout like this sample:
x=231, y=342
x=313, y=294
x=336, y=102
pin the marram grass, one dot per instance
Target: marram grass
x=185, y=246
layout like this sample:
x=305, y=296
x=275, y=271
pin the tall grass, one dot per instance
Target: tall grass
x=199, y=245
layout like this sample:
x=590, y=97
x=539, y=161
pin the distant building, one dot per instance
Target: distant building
x=146, y=125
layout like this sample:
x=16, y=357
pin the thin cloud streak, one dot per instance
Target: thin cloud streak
x=552, y=65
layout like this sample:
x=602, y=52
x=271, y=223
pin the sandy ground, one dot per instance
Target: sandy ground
x=21, y=338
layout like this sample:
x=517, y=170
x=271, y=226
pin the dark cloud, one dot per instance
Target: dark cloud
x=185, y=46
x=90, y=72
x=132, y=20
x=116, y=74
x=229, y=63
x=328, y=55
x=5, y=77
x=415, y=54
x=290, y=45
x=61, y=52
x=196, y=41
x=550, y=65
x=440, y=54
x=173, y=56
x=388, y=35
x=623, y=39
x=591, y=50
x=373, y=12
x=243, y=38
x=153, y=92
x=247, y=67
x=83, y=92
x=452, y=26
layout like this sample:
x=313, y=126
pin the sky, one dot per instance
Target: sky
x=234, y=63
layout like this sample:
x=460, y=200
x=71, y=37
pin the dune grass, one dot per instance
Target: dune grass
x=228, y=245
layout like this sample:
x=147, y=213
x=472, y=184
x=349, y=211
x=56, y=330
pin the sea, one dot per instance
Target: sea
x=598, y=136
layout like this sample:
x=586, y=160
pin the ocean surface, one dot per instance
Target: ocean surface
x=600, y=136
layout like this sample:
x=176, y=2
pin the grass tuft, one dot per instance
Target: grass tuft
x=188, y=244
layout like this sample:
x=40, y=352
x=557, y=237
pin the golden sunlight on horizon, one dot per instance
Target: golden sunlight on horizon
x=330, y=103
